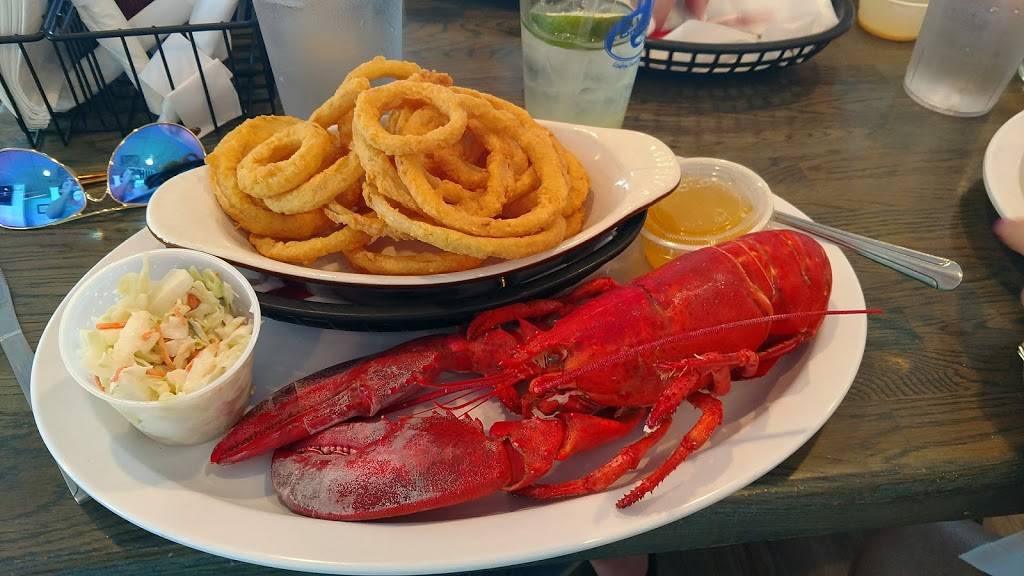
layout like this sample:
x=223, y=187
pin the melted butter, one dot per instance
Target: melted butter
x=698, y=208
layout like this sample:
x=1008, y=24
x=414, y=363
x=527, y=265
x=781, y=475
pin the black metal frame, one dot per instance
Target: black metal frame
x=115, y=106
x=33, y=136
x=715, y=59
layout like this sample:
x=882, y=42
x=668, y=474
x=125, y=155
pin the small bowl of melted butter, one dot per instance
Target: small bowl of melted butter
x=715, y=201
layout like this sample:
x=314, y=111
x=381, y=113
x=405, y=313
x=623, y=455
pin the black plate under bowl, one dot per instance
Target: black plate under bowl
x=418, y=313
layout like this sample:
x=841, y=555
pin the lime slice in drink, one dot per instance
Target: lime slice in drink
x=572, y=29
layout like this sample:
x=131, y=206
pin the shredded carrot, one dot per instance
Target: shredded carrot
x=110, y=325
x=98, y=383
x=193, y=301
x=163, y=351
x=117, y=374
x=158, y=372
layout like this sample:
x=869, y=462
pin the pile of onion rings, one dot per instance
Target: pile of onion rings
x=415, y=176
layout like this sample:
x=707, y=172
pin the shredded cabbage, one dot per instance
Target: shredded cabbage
x=165, y=338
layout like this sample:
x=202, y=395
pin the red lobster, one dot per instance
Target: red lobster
x=596, y=360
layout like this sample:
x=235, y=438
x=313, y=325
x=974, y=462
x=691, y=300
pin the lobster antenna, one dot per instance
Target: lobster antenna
x=479, y=402
x=494, y=381
x=691, y=335
x=445, y=405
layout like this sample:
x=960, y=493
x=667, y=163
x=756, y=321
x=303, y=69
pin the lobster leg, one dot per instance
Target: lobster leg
x=769, y=356
x=589, y=289
x=710, y=419
x=493, y=318
x=537, y=308
x=598, y=480
x=694, y=373
x=630, y=456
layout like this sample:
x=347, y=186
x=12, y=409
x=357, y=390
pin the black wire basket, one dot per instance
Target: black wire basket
x=692, y=58
x=117, y=104
x=22, y=42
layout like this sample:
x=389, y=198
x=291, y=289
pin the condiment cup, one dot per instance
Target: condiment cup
x=735, y=176
x=183, y=420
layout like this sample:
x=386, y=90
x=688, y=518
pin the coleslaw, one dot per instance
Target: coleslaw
x=165, y=338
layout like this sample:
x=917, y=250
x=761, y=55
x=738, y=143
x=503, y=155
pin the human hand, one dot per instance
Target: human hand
x=697, y=8
x=665, y=13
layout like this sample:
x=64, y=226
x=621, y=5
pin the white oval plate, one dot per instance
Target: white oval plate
x=1004, y=169
x=628, y=172
x=232, y=511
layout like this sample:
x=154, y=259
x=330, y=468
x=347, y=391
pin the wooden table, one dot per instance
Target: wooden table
x=933, y=427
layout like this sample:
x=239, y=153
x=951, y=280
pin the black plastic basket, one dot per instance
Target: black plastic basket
x=102, y=104
x=691, y=58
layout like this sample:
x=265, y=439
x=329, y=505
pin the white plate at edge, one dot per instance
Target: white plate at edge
x=1004, y=169
x=232, y=511
x=628, y=172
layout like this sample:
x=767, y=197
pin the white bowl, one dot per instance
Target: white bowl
x=628, y=172
x=183, y=420
x=738, y=177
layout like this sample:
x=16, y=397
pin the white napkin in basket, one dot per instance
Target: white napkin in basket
x=189, y=102
x=762, y=20
x=158, y=13
x=106, y=15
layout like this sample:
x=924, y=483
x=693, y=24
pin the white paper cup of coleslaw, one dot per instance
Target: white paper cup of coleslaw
x=185, y=419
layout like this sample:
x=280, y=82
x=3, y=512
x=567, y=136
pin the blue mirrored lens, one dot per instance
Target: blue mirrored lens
x=36, y=191
x=148, y=158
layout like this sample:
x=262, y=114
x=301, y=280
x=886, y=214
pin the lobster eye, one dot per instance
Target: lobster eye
x=555, y=357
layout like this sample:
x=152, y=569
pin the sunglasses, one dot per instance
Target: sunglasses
x=37, y=191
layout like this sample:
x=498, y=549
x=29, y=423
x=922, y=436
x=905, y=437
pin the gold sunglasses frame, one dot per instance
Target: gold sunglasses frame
x=97, y=177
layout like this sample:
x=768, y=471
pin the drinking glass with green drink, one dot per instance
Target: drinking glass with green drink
x=580, y=57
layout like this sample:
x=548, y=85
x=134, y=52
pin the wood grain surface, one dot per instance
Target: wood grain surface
x=933, y=427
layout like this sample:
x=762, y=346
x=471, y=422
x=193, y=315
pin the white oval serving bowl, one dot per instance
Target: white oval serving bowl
x=628, y=172
x=183, y=420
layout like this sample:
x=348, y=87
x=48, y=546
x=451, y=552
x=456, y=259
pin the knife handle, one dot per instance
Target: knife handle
x=20, y=356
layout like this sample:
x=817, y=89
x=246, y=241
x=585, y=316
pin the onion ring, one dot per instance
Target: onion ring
x=368, y=224
x=419, y=263
x=371, y=105
x=381, y=172
x=428, y=190
x=342, y=177
x=574, y=223
x=381, y=67
x=340, y=104
x=284, y=161
x=248, y=213
x=307, y=251
x=460, y=243
x=579, y=182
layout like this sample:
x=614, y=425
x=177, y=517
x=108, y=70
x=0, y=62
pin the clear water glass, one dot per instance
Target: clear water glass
x=313, y=44
x=966, y=54
x=580, y=58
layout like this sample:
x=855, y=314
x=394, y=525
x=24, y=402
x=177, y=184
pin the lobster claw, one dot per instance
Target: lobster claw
x=385, y=468
x=369, y=470
x=358, y=388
